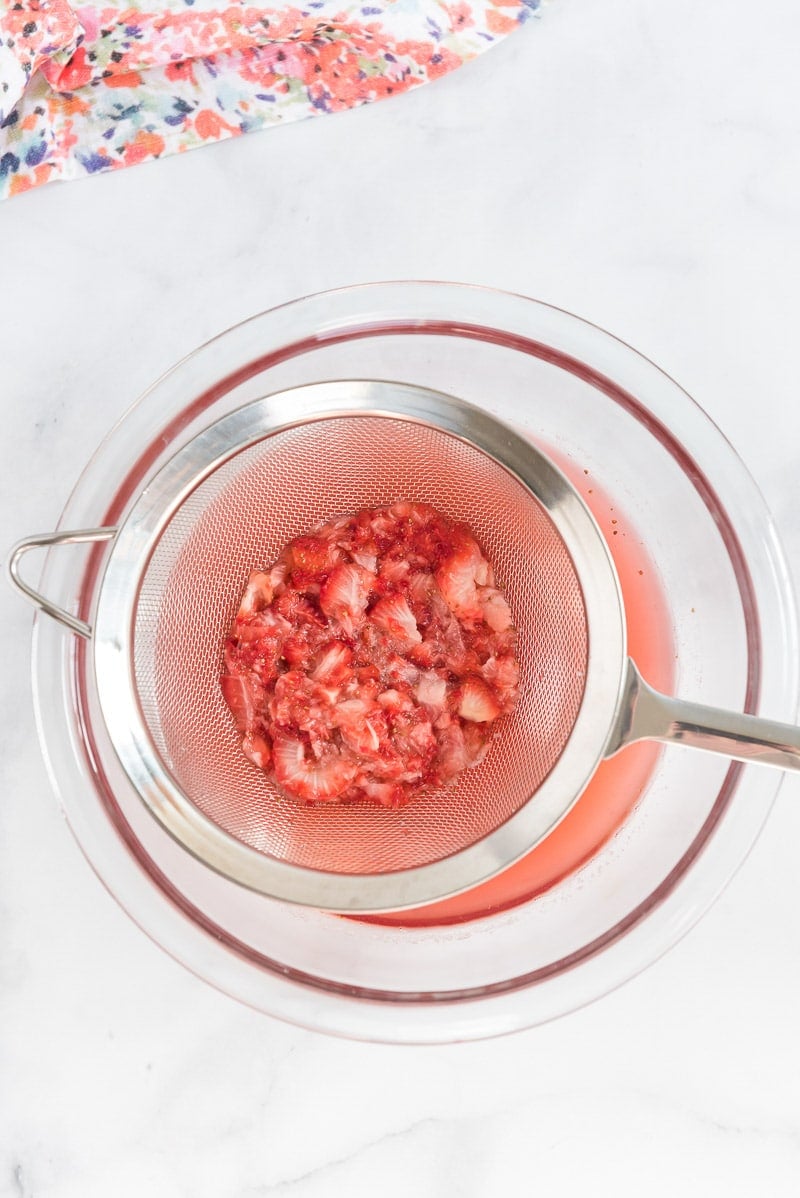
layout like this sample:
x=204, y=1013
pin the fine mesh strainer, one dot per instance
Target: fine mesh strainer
x=227, y=503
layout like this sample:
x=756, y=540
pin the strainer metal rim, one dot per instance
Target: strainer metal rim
x=115, y=616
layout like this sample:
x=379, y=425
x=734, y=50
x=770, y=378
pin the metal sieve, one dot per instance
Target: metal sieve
x=227, y=503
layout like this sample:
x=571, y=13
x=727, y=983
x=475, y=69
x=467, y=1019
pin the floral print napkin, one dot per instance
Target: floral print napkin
x=88, y=88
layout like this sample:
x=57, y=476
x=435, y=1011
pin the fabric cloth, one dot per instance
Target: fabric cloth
x=89, y=88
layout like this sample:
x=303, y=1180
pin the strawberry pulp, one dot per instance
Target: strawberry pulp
x=372, y=659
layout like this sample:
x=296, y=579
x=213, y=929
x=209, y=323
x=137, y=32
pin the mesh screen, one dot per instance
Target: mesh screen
x=238, y=520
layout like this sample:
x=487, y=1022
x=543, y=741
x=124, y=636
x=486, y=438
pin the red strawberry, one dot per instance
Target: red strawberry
x=477, y=740
x=345, y=595
x=296, y=650
x=388, y=794
x=311, y=558
x=394, y=570
x=383, y=527
x=364, y=733
x=298, y=610
x=393, y=615
x=452, y=756
x=256, y=749
x=411, y=697
x=369, y=561
x=496, y=611
x=400, y=671
x=477, y=702
x=423, y=655
x=503, y=674
x=460, y=574
x=394, y=701
x=431, y=689
x=258, y=594
x=313, y=781
x=245, y=696
x=333, y=663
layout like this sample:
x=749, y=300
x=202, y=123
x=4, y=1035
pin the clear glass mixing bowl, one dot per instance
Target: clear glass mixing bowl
x=683, y=491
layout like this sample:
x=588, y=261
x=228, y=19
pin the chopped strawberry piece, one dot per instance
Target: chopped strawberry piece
x=372, y=659
x=258, y=593
x=394, y=701
x=476, y=743
x=423, y=655
x=315, y=781
x=296, y=650
x=256, y=749
x=366, y=734
x=345, y=595
x=459, y=576
x=452, y=756
x=388, y=794
x=502, y=673
x=400, y=671
x=394, y=616
x=245, y=696
x=311, y=558
x=298, y=610
x=496, y=611
x=477, y=702
x=333, y=663
x=394, y=570
x=369, y=561
x=431, y=689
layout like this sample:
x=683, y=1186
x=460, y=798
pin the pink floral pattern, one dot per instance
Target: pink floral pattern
x=90, y=88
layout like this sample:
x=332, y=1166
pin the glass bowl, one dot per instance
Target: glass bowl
x=673, y=487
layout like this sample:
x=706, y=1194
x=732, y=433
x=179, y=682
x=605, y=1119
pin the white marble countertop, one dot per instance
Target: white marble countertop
x=637, y=164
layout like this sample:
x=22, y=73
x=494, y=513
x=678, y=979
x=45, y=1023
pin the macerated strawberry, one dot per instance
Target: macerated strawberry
x=388, y=794
x=400, y=671
x=496, y=611
x=245, y=696
x=431, y=689
x=372, y=658
x=420, y=735
x=394, y=701
x=476, y=743
x=258, y=593
x=298, y=610
x=394, y=616
x=424, y=655
x=383, y=527
x=460, y=574
x=394, y=570
x=452, y=755
x=296, y=649
x=477, y=702
x=368, y=560
x=345, y=595
x=257, y=750
x=315, y=781
x=333, y=662
x=298, y=702
x=365, y=734
x=311, y=557
x=502, y=673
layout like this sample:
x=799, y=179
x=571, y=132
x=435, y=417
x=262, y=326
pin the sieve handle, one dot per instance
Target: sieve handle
x=646, y=714
x=48, y=540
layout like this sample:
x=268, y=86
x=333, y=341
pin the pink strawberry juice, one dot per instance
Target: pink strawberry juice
x=617, y=783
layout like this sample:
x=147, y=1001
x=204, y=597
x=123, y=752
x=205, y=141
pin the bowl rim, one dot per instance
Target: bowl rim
x=627, y=948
